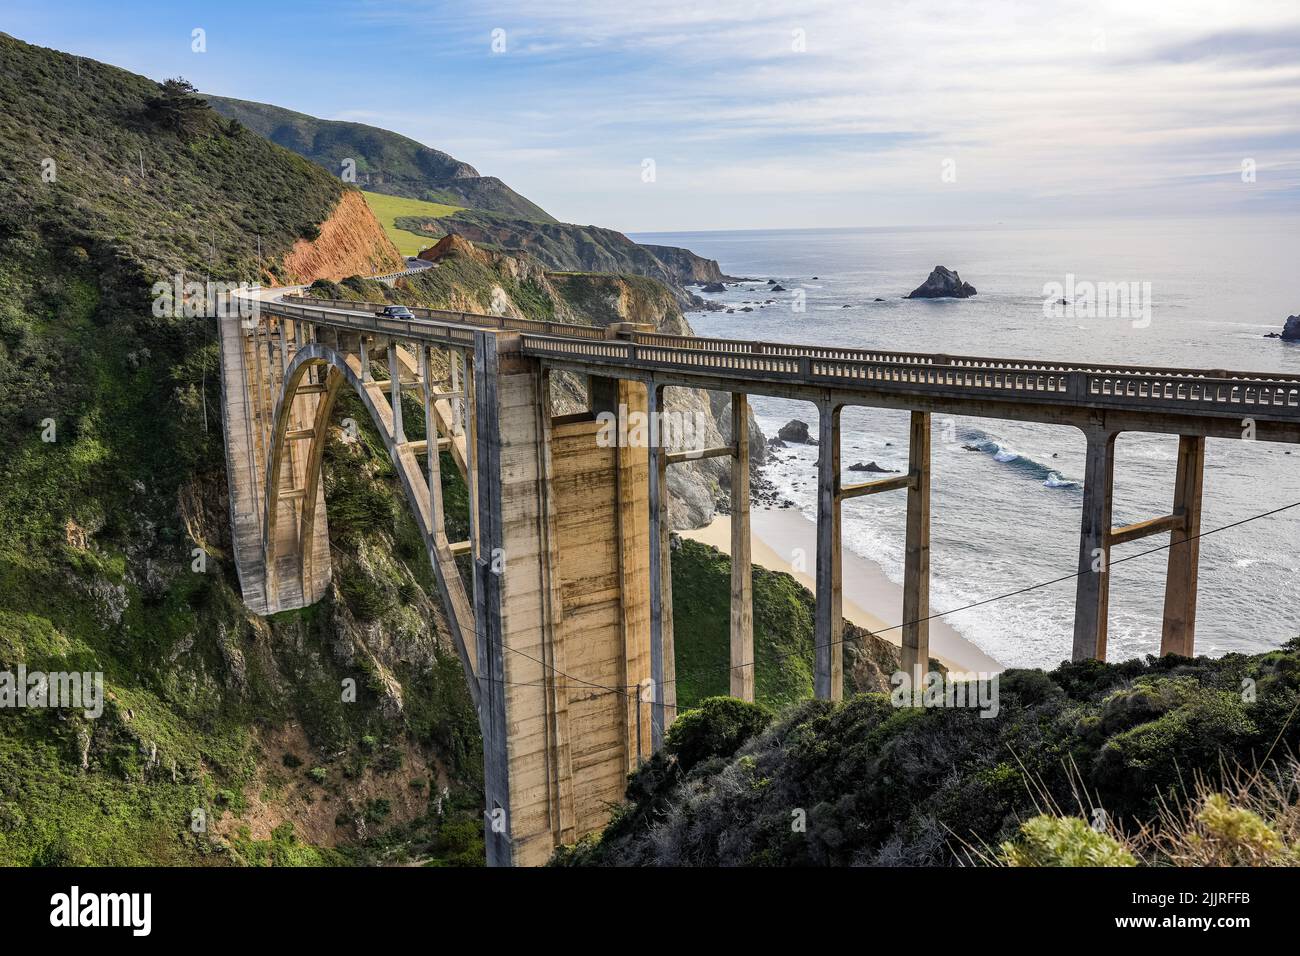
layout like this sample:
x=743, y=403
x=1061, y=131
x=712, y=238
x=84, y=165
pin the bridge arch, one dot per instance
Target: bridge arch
x=345, y=369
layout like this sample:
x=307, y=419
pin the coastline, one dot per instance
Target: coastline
x=870, y=599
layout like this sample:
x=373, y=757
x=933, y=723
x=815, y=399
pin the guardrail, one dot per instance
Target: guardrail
x=1184, y=390
x=428, y=331
x=924, y=358
x=507, y=322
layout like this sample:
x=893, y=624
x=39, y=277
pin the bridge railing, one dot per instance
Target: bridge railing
x=958, y=377
x=448, y=333
x=925, y=358
x=508, y=322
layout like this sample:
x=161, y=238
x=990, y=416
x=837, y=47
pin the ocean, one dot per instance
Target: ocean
x=1006, y=514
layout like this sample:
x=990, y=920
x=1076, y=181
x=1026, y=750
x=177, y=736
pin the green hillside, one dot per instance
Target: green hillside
x=385, y=162
x=481, y=208
x=112, y=473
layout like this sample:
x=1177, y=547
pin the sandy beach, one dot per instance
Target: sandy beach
x=871, y=600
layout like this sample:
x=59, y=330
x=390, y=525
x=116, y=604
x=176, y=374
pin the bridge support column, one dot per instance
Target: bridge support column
x=395, y=392
x=509, y=608
x=663, y=670
x=433, y=458
x=742, y=588
x=632, y=480
x=828, y=650
x=916, y=564
x=1178, y=635
x=1093, y=584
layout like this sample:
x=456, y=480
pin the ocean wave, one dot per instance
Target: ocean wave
x=1004, y=454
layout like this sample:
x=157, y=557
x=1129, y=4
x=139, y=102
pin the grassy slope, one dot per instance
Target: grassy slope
x=138, y=465
x=388, y=209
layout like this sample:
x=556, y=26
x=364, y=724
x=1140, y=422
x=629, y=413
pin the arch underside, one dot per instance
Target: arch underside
x=290, y=514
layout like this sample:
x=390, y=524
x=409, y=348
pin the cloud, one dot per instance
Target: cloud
x=1059, y=99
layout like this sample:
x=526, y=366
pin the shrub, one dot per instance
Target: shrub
x=1064, y=841
x=717, y=728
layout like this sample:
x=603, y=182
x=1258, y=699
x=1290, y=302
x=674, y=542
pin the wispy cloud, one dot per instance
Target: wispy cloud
x=1050, y=102
x=781, y=113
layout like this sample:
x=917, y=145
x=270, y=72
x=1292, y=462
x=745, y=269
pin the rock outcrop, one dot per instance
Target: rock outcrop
x=871, y=466
x=1291, y=331
x=685, y=265
x=351, y=242
x=565, y=247
x=943, y=283
x=796, y=432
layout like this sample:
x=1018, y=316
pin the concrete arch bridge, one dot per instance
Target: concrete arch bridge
x=564, y=627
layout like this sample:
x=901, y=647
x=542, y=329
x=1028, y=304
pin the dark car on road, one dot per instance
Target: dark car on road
x=395, y=312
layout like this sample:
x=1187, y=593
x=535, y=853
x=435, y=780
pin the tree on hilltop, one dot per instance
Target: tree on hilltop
x=179, y=108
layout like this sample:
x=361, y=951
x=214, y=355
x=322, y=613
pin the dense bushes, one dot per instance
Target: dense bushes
x=877, y=784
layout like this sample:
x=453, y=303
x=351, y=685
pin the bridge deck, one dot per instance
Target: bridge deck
x=1028, y=389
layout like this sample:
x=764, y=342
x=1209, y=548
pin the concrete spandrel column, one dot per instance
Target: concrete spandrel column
x=828, y=652
x=1093, y=587
x=1178, y=634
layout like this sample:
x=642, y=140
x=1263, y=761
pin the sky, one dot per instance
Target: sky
x=675, y=116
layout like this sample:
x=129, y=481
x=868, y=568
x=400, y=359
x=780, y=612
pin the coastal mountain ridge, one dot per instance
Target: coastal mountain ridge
x=488, y=211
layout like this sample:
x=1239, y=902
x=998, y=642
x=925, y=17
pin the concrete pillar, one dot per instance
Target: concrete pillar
x=632, y=493
x=666, y=638
x=1178, y=635
x=916, y=564
x=828, y=650
x=395, y=392
x=486, y=505
x=457, y=404
x=433, y=458
x=659, y=574
x=1093, y=587
x=742, y=588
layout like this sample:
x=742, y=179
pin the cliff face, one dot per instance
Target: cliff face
x=351, y=242
x=686, y=265
x=565, y=247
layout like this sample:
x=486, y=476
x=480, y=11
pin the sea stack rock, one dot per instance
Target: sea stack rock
x=944, y=283
x=796, y=432
x=1291, y=331
x=713, y=287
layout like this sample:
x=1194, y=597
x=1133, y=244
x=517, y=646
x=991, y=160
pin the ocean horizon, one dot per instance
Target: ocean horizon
x=1008, y=495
